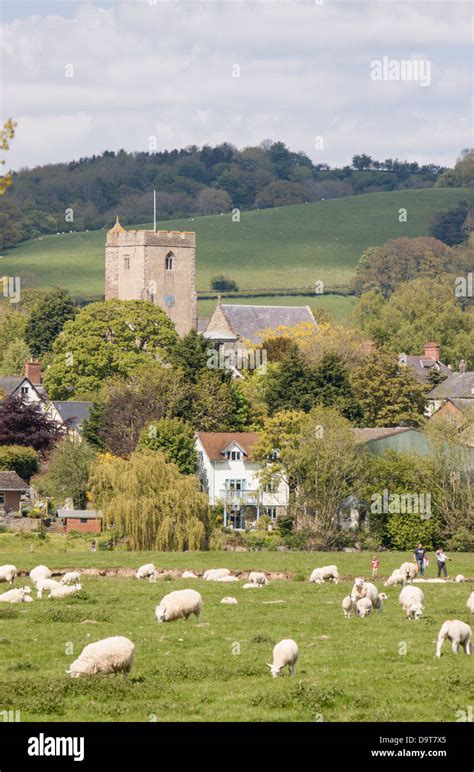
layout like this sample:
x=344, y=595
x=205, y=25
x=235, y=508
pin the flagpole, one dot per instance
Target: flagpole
x=154, y=211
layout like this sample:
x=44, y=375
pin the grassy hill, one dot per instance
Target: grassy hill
x=288, y=247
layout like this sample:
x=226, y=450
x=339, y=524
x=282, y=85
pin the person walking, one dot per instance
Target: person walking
x=420, y=557
x=441, y=559
x=374, y=564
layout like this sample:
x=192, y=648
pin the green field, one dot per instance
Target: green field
x=214, y=669
x=293, y=246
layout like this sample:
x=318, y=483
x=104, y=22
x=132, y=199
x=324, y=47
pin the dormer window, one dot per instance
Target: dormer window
x=169, y=261
x=233, y=455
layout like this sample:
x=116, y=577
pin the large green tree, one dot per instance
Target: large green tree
x=47, y=319
x=105, y=340
x=175, y=439
x=68, y=472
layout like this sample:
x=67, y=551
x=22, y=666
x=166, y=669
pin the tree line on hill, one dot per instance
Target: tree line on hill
x=87, y=193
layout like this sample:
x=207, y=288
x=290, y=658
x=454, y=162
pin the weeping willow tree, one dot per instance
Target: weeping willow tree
x=148, y=500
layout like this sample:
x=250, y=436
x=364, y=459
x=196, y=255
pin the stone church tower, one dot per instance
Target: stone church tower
x=157, y=266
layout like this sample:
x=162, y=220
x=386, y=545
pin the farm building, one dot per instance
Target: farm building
x=229, y=474
x=82, y=520
x=11, y=489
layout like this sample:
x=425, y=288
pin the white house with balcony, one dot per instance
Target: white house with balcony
x=229, y=474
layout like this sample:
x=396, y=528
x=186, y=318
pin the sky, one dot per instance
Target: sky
x=83, y=77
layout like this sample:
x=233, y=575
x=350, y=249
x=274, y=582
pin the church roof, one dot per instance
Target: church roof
x=249, y=321
x=117, y=227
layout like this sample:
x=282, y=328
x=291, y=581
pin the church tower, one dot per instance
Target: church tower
x=157, y=266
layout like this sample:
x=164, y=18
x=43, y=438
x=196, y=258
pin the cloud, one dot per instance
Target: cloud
x=166, y=70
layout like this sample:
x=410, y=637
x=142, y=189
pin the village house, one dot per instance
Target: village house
x=27, y=386
x=11, y=489
x=426, y=363
x=71, y=415
x=230, y=475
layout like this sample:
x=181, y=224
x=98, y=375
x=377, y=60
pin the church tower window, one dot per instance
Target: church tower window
x=169, y=261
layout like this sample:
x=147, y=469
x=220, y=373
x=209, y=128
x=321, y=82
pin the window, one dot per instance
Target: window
x=270, y=512
x=169, y=259
x=126, y=263
x=235, y=485
x=83, y=520
x=2, y=499
x=24, y=389
x=233, y=455
x=270, y=487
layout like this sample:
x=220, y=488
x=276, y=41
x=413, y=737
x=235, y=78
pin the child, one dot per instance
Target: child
x=375, y=566
x=441, y=559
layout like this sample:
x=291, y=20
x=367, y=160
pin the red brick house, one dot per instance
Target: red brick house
x=11, y=488
x=82, y=520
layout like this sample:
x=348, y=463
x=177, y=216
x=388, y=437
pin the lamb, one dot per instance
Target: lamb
x=144, y=572
x=326, y=572
x=64, y=591
x=46, y=585
x=460, y=578
x=251, y=586
x=213, y=574
x=348, y=606
x=110, y=655
x=415, y=610
x=229, y=601
x=189, y=575
x=285, y=653
x=470, y=603
x=396, y=578
x=378, y=604
x=18, y=595
x=71, y=577
x=459, y=633
x=257, y=577
x=8, y=574
x=179, y=604
x=39, y=573
x=364, y=607
x=228, y=579
x=409, y=570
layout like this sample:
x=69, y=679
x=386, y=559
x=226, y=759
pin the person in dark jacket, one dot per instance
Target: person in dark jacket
x=420, y=556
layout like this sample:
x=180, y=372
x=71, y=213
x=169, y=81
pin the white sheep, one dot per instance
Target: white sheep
x=189, y=575
x=251, y=586
x=213, y=574
x=64, y=591
x=39, y=573
x=257, y=577
x=46, y=585
x=8, y=574
x=415, y=610
x=179, y=604
x=364, y=607
x=285, y=653
x=459, y=633
x=460, y=578
x=229, y=601
x=18, y=595
x=71, y=577
x=348, y=606
x=409, y=570
x=228, y=579
x=319, y=575
x=396, y=578
x=144, y=572
x=110, y=655
x=470, y=603
x=411, y=599
x=363, y=589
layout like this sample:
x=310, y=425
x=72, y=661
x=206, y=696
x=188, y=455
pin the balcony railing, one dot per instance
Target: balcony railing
x=247, y=497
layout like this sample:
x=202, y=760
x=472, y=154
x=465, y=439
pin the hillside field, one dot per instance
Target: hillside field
x=381, y=668
x=288, y=247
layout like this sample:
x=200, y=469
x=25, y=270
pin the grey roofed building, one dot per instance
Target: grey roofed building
x=457, y=386
x=11, y=385
x=425, y=363
x=246, y=322
x=72, y=414
x=11, y=481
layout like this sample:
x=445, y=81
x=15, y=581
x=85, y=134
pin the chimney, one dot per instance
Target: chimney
x=432, y=350
x=368, y=347
x=33, y=372
x=462, y=366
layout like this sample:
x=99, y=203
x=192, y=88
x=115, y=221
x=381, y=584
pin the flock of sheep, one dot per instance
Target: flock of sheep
x=116, y=654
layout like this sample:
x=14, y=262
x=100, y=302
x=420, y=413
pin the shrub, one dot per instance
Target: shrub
x=20, y=459
x=462, y=540
x=224, y=284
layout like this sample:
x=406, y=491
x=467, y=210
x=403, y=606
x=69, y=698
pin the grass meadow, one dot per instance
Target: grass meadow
x=381, y=668
x=286, y=247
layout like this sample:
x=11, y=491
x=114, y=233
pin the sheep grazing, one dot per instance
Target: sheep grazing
x=229, y=601
x=411, y=599
x=46, y=585
x=285, y=653
x=189, y=575
x=228, y=579
x=470, y=603
x=363, y=589
x=378, y=604
x=348, y=606
x=364, y=607
x=144, y=572
x=460, y=578
x=18, y=595
x=8, y=574
x=213, y=574
x=257, y=577
x=251, y=586
x=459, y=633
x=319, y=575
x=396, y=578
x=64, y=591
x=110, y=655
x=39, y=573
x=415, y=610
x=71, y=577
x=409, y=570
x=178, y=605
